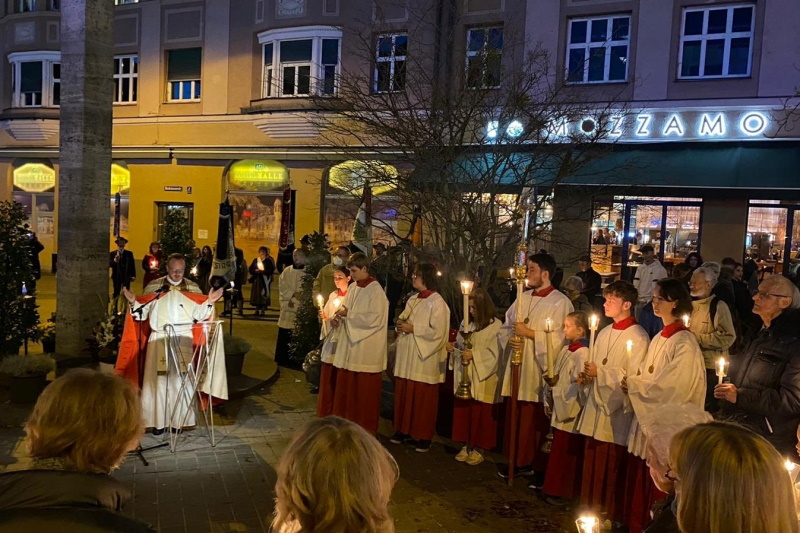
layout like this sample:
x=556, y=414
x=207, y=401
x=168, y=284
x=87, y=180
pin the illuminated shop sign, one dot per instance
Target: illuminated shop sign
x=257, y=175
x=34, y=177
x=659, y=126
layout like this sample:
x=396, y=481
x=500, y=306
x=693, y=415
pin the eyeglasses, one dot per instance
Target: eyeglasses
x=176, y=271
x=762, y=294
x=670, y=475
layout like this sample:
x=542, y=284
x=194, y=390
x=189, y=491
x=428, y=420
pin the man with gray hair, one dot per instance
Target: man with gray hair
x=764, y=392
x=712, y=325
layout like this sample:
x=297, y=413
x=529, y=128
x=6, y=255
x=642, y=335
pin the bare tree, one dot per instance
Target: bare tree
x=472, y=147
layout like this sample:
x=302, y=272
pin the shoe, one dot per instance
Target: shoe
x=158, y=431
x=556, y=502
x=537, y=481
x=475, y=458
x=502, y=471
x=398, y=438
x=422, y=446
x=462, y=455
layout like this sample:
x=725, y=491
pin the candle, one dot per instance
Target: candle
x=511, y=273
x=193, y=272
x=466, y=288
x=588, y=524
x=232, y=285
x=790, y=466
x=548, y=329
x=153, y=264
x=260, y=264
x=686, y=320
x=24, y=289
x=593, y=322
x=722, y=369
x=336, y=303
x=320, y=301
x=439, y=273
x=629, y=346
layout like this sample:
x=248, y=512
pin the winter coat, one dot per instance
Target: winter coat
x=39, y=501
x=767, y=376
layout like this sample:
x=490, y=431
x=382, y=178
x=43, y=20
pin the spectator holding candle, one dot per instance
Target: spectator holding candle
x=764, y=392
x=151, y=264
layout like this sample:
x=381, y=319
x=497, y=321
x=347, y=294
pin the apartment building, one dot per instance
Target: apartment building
x=212, y=97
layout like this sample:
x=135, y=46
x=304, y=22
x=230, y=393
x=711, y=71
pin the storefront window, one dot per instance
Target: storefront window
x=773, y=237
x=120, y=183
x=343, y=193
x=255, y=189
x=34, y=187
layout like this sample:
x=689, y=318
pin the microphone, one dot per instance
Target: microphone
x=194, y=320
x=162, y=290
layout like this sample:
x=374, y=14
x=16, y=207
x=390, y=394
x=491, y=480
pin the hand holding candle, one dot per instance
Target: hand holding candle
x=686, y=320
x=193, y=271
x=320, y=301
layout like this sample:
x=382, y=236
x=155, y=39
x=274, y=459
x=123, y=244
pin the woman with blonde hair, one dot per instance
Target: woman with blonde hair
x=728, y=479
x=334, y=478
x=79, y=431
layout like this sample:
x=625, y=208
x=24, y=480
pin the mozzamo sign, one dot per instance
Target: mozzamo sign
x=661, y=125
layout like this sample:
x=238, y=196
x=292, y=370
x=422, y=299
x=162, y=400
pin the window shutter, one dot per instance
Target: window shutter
x=184, y=65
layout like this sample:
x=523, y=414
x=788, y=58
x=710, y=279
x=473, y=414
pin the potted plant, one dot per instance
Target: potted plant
x=235, y=350
x=27, y=375
x=47, y=334
x=105, y=339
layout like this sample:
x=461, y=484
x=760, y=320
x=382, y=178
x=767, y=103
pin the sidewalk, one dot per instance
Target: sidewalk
x=229, y=488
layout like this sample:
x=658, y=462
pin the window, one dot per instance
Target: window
x=484, y=57
x=390, y=63
x=122, y=2
x=54, y=5
x=183, y=74
x=597, y=49
x=717, y=42
x=300, y=61
x=25, y=6
x=35, y=79
x=126, y=79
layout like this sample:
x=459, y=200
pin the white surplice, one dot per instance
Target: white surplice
x=673, y=373
x=567, y=393
x=289, y=284
x=422, y=355
x=483, y=368
x=536, y=309
x=362, y=342
x=604, y=416
x=160, y=391
x=330, y=335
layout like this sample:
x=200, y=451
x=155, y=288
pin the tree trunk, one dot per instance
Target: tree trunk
x=84, y=185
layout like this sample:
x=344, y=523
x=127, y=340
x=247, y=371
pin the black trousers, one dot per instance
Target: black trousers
x=282, y=347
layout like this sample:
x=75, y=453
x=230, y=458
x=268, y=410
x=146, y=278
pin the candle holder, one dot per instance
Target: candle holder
x=464, y=391
x=522, y=271
x=588, y=524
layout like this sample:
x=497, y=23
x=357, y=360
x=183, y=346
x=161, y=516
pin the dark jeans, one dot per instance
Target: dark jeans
x=712, y=404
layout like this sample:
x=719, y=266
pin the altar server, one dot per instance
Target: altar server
x=673, y=372
x=361, y=348
x=618, y=352
x=421, y=356
x=542, y=306
x=475, y=421
x=330, y=339
x=562, y=481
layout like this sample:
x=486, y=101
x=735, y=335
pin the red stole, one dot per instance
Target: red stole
x=673, y=328
x=544, y=292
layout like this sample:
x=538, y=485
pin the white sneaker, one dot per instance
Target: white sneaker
x=475, y=458
x=462, y=455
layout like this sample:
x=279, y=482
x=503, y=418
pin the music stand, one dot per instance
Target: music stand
x=193, y=368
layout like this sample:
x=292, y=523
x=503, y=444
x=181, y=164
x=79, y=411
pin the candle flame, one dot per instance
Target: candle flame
x=320, y=300
x=336, y=303
x=194, y=271
x=24, y=288
x=593, y=321
x=232, y=285
x=721, y=366
x=790, y=466
x=587, y=524
x=686, y=320
x=466, y=286
x=630, y=346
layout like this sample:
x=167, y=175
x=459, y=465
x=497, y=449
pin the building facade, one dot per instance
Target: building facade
x=213, y=98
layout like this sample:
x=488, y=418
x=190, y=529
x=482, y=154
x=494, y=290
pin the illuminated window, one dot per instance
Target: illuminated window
x=717, y=42
x=597, y=49
x=122, y=2
x=183, y=73
x=25, y=6
x=126, y=79
x=300, y=61
x=36, y=79
x=484, y=57
x=390, y=63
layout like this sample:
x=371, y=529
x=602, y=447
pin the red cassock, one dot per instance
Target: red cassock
x=476, y=423
x=563, y=478
x=415, y=407
x=327, y=386
x=133, y=345
x=532, y=427
x=640, y=493
x=358, y=397
x=603, y=481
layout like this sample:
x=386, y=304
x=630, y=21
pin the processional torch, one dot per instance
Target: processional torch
x=464, y=391
x=516, y=356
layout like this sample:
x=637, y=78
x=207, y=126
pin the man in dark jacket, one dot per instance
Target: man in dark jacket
x=764, y=392
x=592, y=282
x=123, y=268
